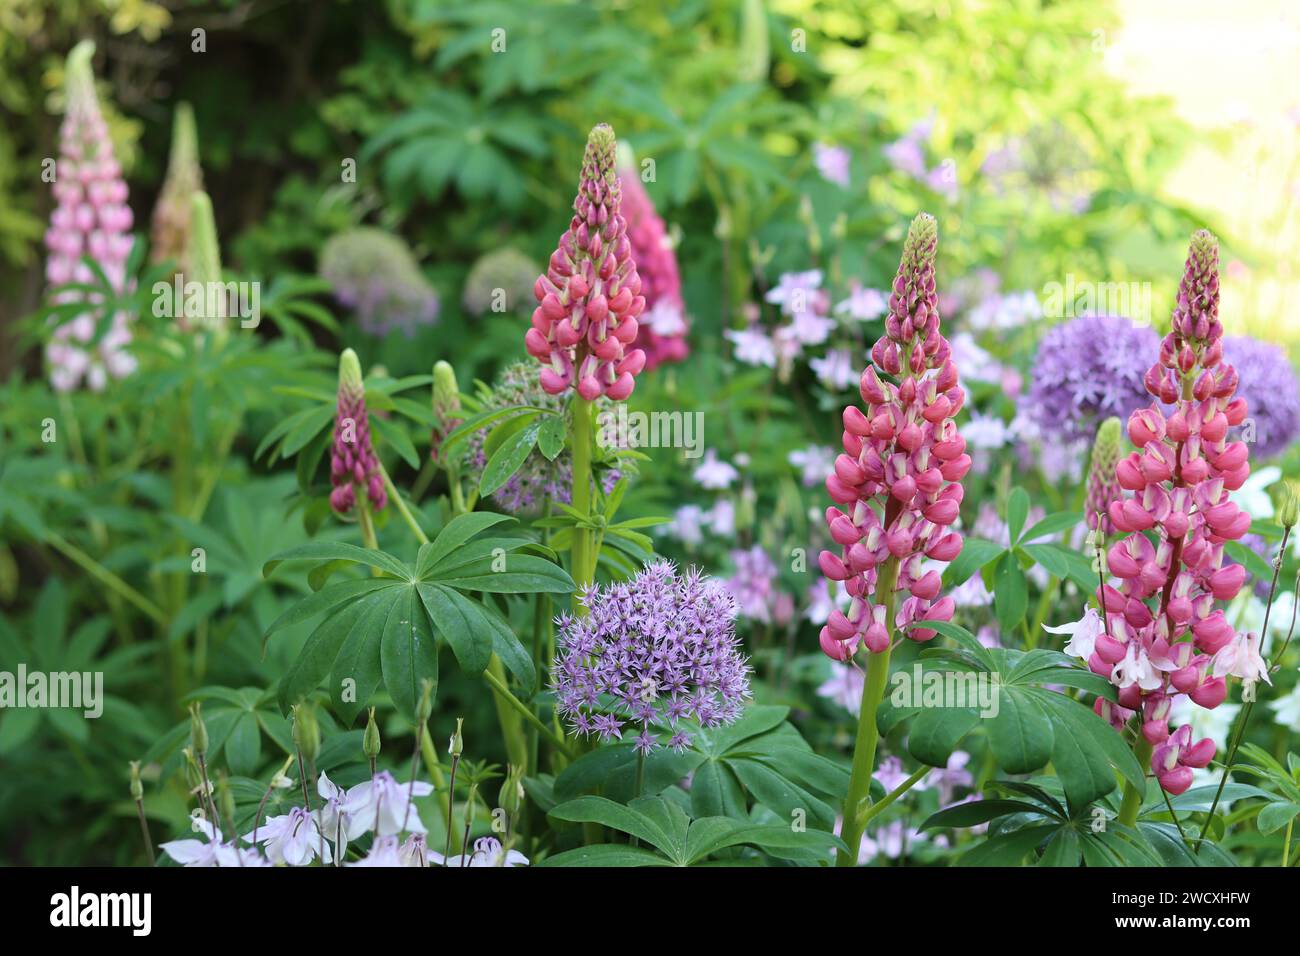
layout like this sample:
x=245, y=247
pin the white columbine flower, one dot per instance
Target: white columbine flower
x=292, y=838
x=1083, y=634
x=383, y=803
x=207, y=852
x=382, y=853
x=1135, y=668
x=489, y=852
x=1241, y=658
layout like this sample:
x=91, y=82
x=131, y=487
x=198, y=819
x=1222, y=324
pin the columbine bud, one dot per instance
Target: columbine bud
x=198, y=732
x=1288, y=506
x=370, y=743
x=446, y=406
x=511, y=797
x=425, y=705
x=306, y=731
x=137, y=788
x=456, y=745
x=1103, y=486
x=590, y=296
x=353, y=463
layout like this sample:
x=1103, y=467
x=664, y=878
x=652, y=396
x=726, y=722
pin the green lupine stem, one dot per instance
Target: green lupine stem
x=584, y=558
x=1286, y=847
x=873, y=809
x=105, y=577
x=1132, y=802
x=400, y=505
x=864, y=748
x=499, y=686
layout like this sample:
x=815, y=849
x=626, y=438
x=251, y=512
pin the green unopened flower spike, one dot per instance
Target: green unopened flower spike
x=1103, y=486
x=209, y=307
x=173, y=212
x=446, y=407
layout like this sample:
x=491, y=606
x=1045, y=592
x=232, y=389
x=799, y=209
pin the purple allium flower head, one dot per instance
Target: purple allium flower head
x=374, y=273
x=353, y=464
x=90, y=218
x=1087, y=370
x=651, y=653
x=499, y=281
x=1267, y=382
x=538, y=478
x=662, y=334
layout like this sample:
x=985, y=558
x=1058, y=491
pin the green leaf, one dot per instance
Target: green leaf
x=458, y=530
x=1064, y=563
x=619, y=855
x=1063, y=850
x=1007, y=849
x=244, y=745
x=394, y=435
x=1010, y=593
x=1017, y=511
x=592, y=809
x=525, y=575
x=975, y=553
x=936, y=731
x=1021, y=734
x=1053, y=524
x=408, y=653
x=340, y=551
x=322, y=647
x=1091, y=731
x=976, y=812
x=507, y=459
x=1276, y=815
x=550, y=437
x=461, y=625
x=1259, y=568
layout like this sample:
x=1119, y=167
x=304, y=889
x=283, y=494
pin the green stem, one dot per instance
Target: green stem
x=105, y=576
x=897, y=792
x=504, y=692
x=1286, y=847
x=864, y=748
x=584, y=558
x=1132, y=803
x=400, y=505
x=512, y=730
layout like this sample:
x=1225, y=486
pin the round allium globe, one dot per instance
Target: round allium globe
x=375, y=274
x=1267, y=382
x=1086, y=371
x=651, y=655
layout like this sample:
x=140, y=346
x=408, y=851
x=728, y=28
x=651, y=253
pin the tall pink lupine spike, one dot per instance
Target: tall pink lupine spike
x=663, y=325
x=903, y=460
x=590, y=296
x=1179, y=482
x=353, y=464
x=91, y=218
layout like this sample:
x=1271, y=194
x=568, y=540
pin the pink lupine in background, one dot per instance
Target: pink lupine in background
x=354, y=468
x=663, y=325
x=1179, y=482
x=90, y=218
x=899, y=481
x=585, y=324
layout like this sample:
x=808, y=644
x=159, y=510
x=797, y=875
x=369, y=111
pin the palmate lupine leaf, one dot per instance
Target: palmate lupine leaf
x=1033, y=725
x=383, y=629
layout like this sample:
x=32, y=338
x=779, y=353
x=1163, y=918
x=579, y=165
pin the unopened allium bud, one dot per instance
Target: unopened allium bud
x=370, y=743
x=1103, y=487
x=1288, y=506
x=456, y=745
x=446, y=406
x=198, y=731
x=354, y=468
x=900, y=474
x=91, y=218
x=1164, y=636
x=170, y=231
x=306, y=731
x=589, y=299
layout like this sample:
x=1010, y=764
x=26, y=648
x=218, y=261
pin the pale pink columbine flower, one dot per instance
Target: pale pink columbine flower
x=387, y=806
x=833, y=163
x=585, y=325
x=488, y=852
x=814, y=463
x=722, y=518
x=383, y=852
x=753, y=346
x=891, y=774
x=339, y=820
x=805, y=328
x=835, y=369
x=292, y=838
x=714, y=473
x=844, y=687
x=212, y=850
x=799, y=292
x=863, y=304
x=901, y=469
x=415, y=852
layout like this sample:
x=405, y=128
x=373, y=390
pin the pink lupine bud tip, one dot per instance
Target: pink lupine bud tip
x=589, y=299
x=354, y=467
x=897, y=479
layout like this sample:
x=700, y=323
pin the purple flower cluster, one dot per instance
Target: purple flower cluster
x=656, y=651
x=1268, y=383
x=1087, y=370
x=375, y=274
